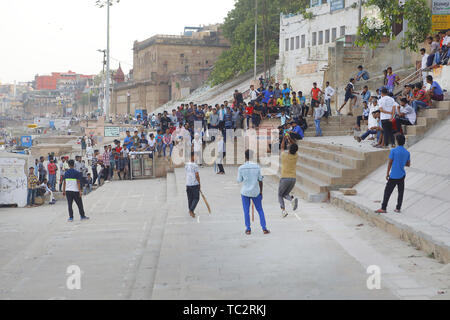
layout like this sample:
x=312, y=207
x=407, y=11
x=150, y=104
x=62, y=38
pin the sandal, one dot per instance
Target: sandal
x=380, y=211
x=192, y=214
x=266, y=231
x=248, y=232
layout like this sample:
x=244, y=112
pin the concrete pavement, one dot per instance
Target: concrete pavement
x=140, y=243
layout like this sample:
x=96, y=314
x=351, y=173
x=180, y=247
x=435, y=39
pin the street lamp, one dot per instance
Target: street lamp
x=101, y=4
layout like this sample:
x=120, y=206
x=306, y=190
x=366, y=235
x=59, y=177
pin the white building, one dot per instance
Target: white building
x=304, y=41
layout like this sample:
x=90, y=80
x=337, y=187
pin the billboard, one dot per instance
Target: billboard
x=336, y=5
x=112, y=131
x=441, y=15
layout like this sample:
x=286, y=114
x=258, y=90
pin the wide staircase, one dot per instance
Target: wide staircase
x=335, y=126
x=322, y=167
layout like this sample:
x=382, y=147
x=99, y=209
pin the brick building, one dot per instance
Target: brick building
x=167, y=67
x=58, y=80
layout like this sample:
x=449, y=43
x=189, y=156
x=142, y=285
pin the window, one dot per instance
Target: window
x=303, y=40
x=333, y=34
x=342, y=31
x=327, y=36
x=314, y=38
x=286, y=48
x=297, y=42
x=320, y=37
x=186, y=69
x=292, y=43
x=182, y=55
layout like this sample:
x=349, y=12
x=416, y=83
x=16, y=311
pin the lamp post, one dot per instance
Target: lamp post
x=108, y=4
x=256, y=37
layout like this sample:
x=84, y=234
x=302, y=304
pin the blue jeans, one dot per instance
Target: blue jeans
x=170, y=145
x=318, y=129
x=258, y=205
x=328, y=103
x=390, y=88
x=30, y=196
x=52, y=181
x=366, y=134
x=419, y=104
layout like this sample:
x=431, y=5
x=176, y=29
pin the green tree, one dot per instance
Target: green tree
x=238, y=28
x=415, y=12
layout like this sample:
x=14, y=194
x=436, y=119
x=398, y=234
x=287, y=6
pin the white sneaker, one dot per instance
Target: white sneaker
x=284, y=213
x=295, y=204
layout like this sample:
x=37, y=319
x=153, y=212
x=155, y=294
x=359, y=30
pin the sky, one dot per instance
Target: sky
x=44, y=36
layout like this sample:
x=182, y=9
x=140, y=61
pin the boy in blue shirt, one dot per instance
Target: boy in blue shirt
x=398, y=159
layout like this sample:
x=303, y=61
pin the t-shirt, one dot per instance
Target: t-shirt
x=437, y=88
x=249, y=110
x=391, y=79
x=349, y=89
x=363, y=74
x=51, y=168
x=191, y=169
x=298, y=130
x=399, y=156
x=267, y=95
x=284, y=91
x=136, y=141
x=315, y=93
x=409, y=113
x=126, y=140
x=387, y=103
x=71, y=176
x=288, y=165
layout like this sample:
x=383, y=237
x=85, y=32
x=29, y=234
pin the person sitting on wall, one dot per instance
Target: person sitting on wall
x=362, y=74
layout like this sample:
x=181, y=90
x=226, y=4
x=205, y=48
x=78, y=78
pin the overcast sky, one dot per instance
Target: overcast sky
x=41, y=36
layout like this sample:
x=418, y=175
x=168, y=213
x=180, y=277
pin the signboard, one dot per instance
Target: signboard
x=26, y=141
x=13, y=181
x=440, y=22
x=337, y=5
x=112, y=131
x=441, y=15
x=441, y=7
x=315, y=3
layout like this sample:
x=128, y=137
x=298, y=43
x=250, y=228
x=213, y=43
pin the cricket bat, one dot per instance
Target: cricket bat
x=206, y=202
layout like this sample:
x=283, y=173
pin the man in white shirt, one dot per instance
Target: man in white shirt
x=406, y=113
x=253, y=94
x=329, y=92
x=198, y=144
x=424, y=64
x=387, y=112
x=192, y=185
x=220, y=153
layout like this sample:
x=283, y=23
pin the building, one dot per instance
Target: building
x=305, y=41
x=167, y=67
x=62, y=81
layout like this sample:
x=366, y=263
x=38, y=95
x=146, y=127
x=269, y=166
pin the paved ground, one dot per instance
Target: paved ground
x=138, y=245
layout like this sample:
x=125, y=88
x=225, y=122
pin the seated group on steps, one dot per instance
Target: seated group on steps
x=386, y=113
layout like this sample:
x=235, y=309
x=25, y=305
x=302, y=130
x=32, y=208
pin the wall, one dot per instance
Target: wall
x=305, y=63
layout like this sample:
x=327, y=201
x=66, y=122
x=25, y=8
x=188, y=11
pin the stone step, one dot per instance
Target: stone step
x=325, y=133
x=309, y=195
x=311, y=182
x=440, y=113
x=341, y=158
x=416, y=130
x=325, y=165
x=324, y=176
x=426, y=121
x=352, y=152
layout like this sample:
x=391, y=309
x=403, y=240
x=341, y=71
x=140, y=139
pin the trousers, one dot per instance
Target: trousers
x=257, y=201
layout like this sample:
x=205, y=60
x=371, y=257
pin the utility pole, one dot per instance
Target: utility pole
x=359, y=13
x=256, y=36
x=107, y=63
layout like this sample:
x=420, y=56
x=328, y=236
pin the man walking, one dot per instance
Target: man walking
x=250, y=174
x=398, y=159
x=192, y=184
x=288, y=176
x=72, y=190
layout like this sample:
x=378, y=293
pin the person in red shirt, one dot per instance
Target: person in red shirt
x=52, y=168
x=116, y=153
x=315, y=97
x=249, y=113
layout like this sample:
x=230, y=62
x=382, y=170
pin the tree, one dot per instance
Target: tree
x=415, y=12
x=238, y=28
